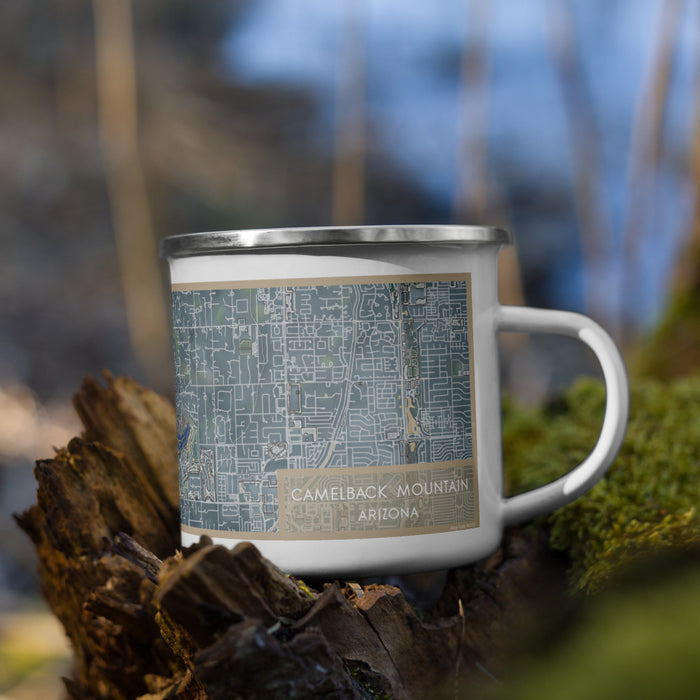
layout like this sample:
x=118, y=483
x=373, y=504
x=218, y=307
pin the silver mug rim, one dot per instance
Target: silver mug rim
x=219, y=242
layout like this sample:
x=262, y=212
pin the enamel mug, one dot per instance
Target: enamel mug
x=338, y=395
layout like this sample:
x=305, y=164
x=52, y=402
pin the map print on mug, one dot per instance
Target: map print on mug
x=315, y=408
x=338, y=395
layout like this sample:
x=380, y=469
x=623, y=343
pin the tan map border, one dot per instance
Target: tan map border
x=473, y=462
x=341, y=535
x=283, y=474
x=324, y=281
x=356, y=534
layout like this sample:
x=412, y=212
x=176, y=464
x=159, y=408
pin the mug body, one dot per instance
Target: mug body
x=338, y=396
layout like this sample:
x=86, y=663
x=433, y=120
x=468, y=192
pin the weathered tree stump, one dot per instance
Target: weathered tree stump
x=147, y=620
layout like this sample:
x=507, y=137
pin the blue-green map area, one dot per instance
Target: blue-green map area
x=298, y=377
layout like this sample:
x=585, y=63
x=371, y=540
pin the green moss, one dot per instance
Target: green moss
x=640, y=641
x=304, y=588
x=671, y=350
x=648, y=499
x=359, y=678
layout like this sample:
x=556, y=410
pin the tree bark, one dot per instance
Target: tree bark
x=147, y=620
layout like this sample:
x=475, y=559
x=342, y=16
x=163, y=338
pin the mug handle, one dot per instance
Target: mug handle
x=567, y=488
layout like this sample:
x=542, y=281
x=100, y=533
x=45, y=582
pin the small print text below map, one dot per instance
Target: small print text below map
x=345, y=376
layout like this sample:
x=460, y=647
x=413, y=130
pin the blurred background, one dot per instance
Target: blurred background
x=576, y=123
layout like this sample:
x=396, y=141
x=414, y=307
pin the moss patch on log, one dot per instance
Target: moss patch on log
x=648, y=499
x=639, y=639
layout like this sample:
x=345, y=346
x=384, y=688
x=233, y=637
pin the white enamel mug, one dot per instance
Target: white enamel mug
x=338, y=395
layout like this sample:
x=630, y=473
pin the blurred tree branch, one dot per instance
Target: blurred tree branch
x=647, y=140
x=136, y=244
x=476, y=199
x=687, y=273
x=673, y=348
x=350, y=119
x=471, y=197
x=584, y=138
